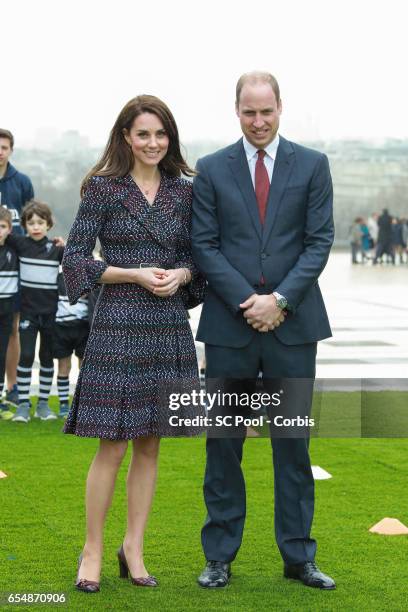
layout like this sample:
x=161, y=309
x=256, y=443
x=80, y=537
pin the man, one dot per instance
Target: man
x=15, y=190
x=262, y=245
x=384, y=244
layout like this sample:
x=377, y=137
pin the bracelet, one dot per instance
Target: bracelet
x=185, y=277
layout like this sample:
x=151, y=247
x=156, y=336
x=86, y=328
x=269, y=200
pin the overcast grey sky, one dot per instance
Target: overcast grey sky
x=341, y=64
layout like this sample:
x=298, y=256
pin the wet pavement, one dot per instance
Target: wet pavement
x=368, y=312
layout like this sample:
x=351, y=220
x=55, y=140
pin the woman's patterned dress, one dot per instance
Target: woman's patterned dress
x=140, y=347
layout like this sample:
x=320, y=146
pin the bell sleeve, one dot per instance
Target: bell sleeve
x=81, y=271
x=192, y=293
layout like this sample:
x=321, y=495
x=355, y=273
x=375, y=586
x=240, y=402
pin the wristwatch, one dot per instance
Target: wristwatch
x=281, y=301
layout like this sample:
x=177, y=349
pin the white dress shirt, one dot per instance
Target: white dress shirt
x=251, y=153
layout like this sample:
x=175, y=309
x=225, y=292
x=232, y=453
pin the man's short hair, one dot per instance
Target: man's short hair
x=7, y=134
x=257, y=77
x=35, y=207
x=5, y=215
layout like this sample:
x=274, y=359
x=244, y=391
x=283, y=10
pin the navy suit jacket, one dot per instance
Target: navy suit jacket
x=233, y=250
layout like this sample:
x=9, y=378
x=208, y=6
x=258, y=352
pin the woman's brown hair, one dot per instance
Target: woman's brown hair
x=117, y=159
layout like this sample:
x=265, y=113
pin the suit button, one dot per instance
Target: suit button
x=263, y=256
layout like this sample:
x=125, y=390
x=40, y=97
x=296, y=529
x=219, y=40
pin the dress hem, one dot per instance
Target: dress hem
x=131, y=436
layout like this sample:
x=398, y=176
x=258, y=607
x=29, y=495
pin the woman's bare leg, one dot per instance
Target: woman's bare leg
x=141, y=483
x=100, y=485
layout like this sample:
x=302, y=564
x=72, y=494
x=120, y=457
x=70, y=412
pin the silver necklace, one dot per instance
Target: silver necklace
x=147, y=190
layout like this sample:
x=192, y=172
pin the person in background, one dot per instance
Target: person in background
x=404, y=231
x=39, y=263
x=366, y=241
x=398, y=245
x=384, y=245
x=372, y=224
x=355, y=235
x=15, y=190
x=70, y=336
x=8, y=291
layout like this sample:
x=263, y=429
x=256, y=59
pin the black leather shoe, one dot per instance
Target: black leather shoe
x=310, y=575
x=215, y=574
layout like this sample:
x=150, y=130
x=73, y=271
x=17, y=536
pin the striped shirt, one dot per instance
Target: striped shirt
x=39, y=267
x=8, y=278
x=66, y=314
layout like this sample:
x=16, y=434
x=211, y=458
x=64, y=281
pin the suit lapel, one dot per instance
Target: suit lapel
x=281, y=172
x=240, y=169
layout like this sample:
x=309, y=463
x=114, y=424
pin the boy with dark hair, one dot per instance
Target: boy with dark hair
x=39, y=265
x=8, y=291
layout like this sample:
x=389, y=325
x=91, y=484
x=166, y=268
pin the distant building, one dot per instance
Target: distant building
x=72, y=141
x=367, y=177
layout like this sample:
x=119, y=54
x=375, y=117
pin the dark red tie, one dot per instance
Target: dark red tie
x=261, y=184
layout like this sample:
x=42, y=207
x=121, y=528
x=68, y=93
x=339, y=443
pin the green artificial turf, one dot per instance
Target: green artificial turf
x=42, y=523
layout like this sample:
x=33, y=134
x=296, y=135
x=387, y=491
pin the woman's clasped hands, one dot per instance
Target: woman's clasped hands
x=160, y=282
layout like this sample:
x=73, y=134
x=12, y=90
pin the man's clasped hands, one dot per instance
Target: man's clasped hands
x=263, y=312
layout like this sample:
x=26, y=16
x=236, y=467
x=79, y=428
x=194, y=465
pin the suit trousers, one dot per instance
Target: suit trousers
x=284, y=368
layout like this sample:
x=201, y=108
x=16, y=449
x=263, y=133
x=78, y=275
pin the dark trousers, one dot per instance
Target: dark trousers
x=6, y=326
x=355, y=250
x=384, y=248
x=289, y=368
x=29, y=328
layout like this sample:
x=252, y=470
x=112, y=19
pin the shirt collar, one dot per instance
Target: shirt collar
x=43, y=240
x=270, y=150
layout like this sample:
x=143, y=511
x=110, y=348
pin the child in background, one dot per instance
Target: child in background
x=39, y=259
x=71, y=335
x=8, y=291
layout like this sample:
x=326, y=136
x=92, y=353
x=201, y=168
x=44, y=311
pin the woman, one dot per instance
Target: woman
x=140, y=344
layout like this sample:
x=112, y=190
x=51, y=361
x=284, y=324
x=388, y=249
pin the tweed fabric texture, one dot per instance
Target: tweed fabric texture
x=140, y=346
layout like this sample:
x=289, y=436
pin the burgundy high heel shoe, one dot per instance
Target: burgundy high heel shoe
x=87, y=586
x=149, y=581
